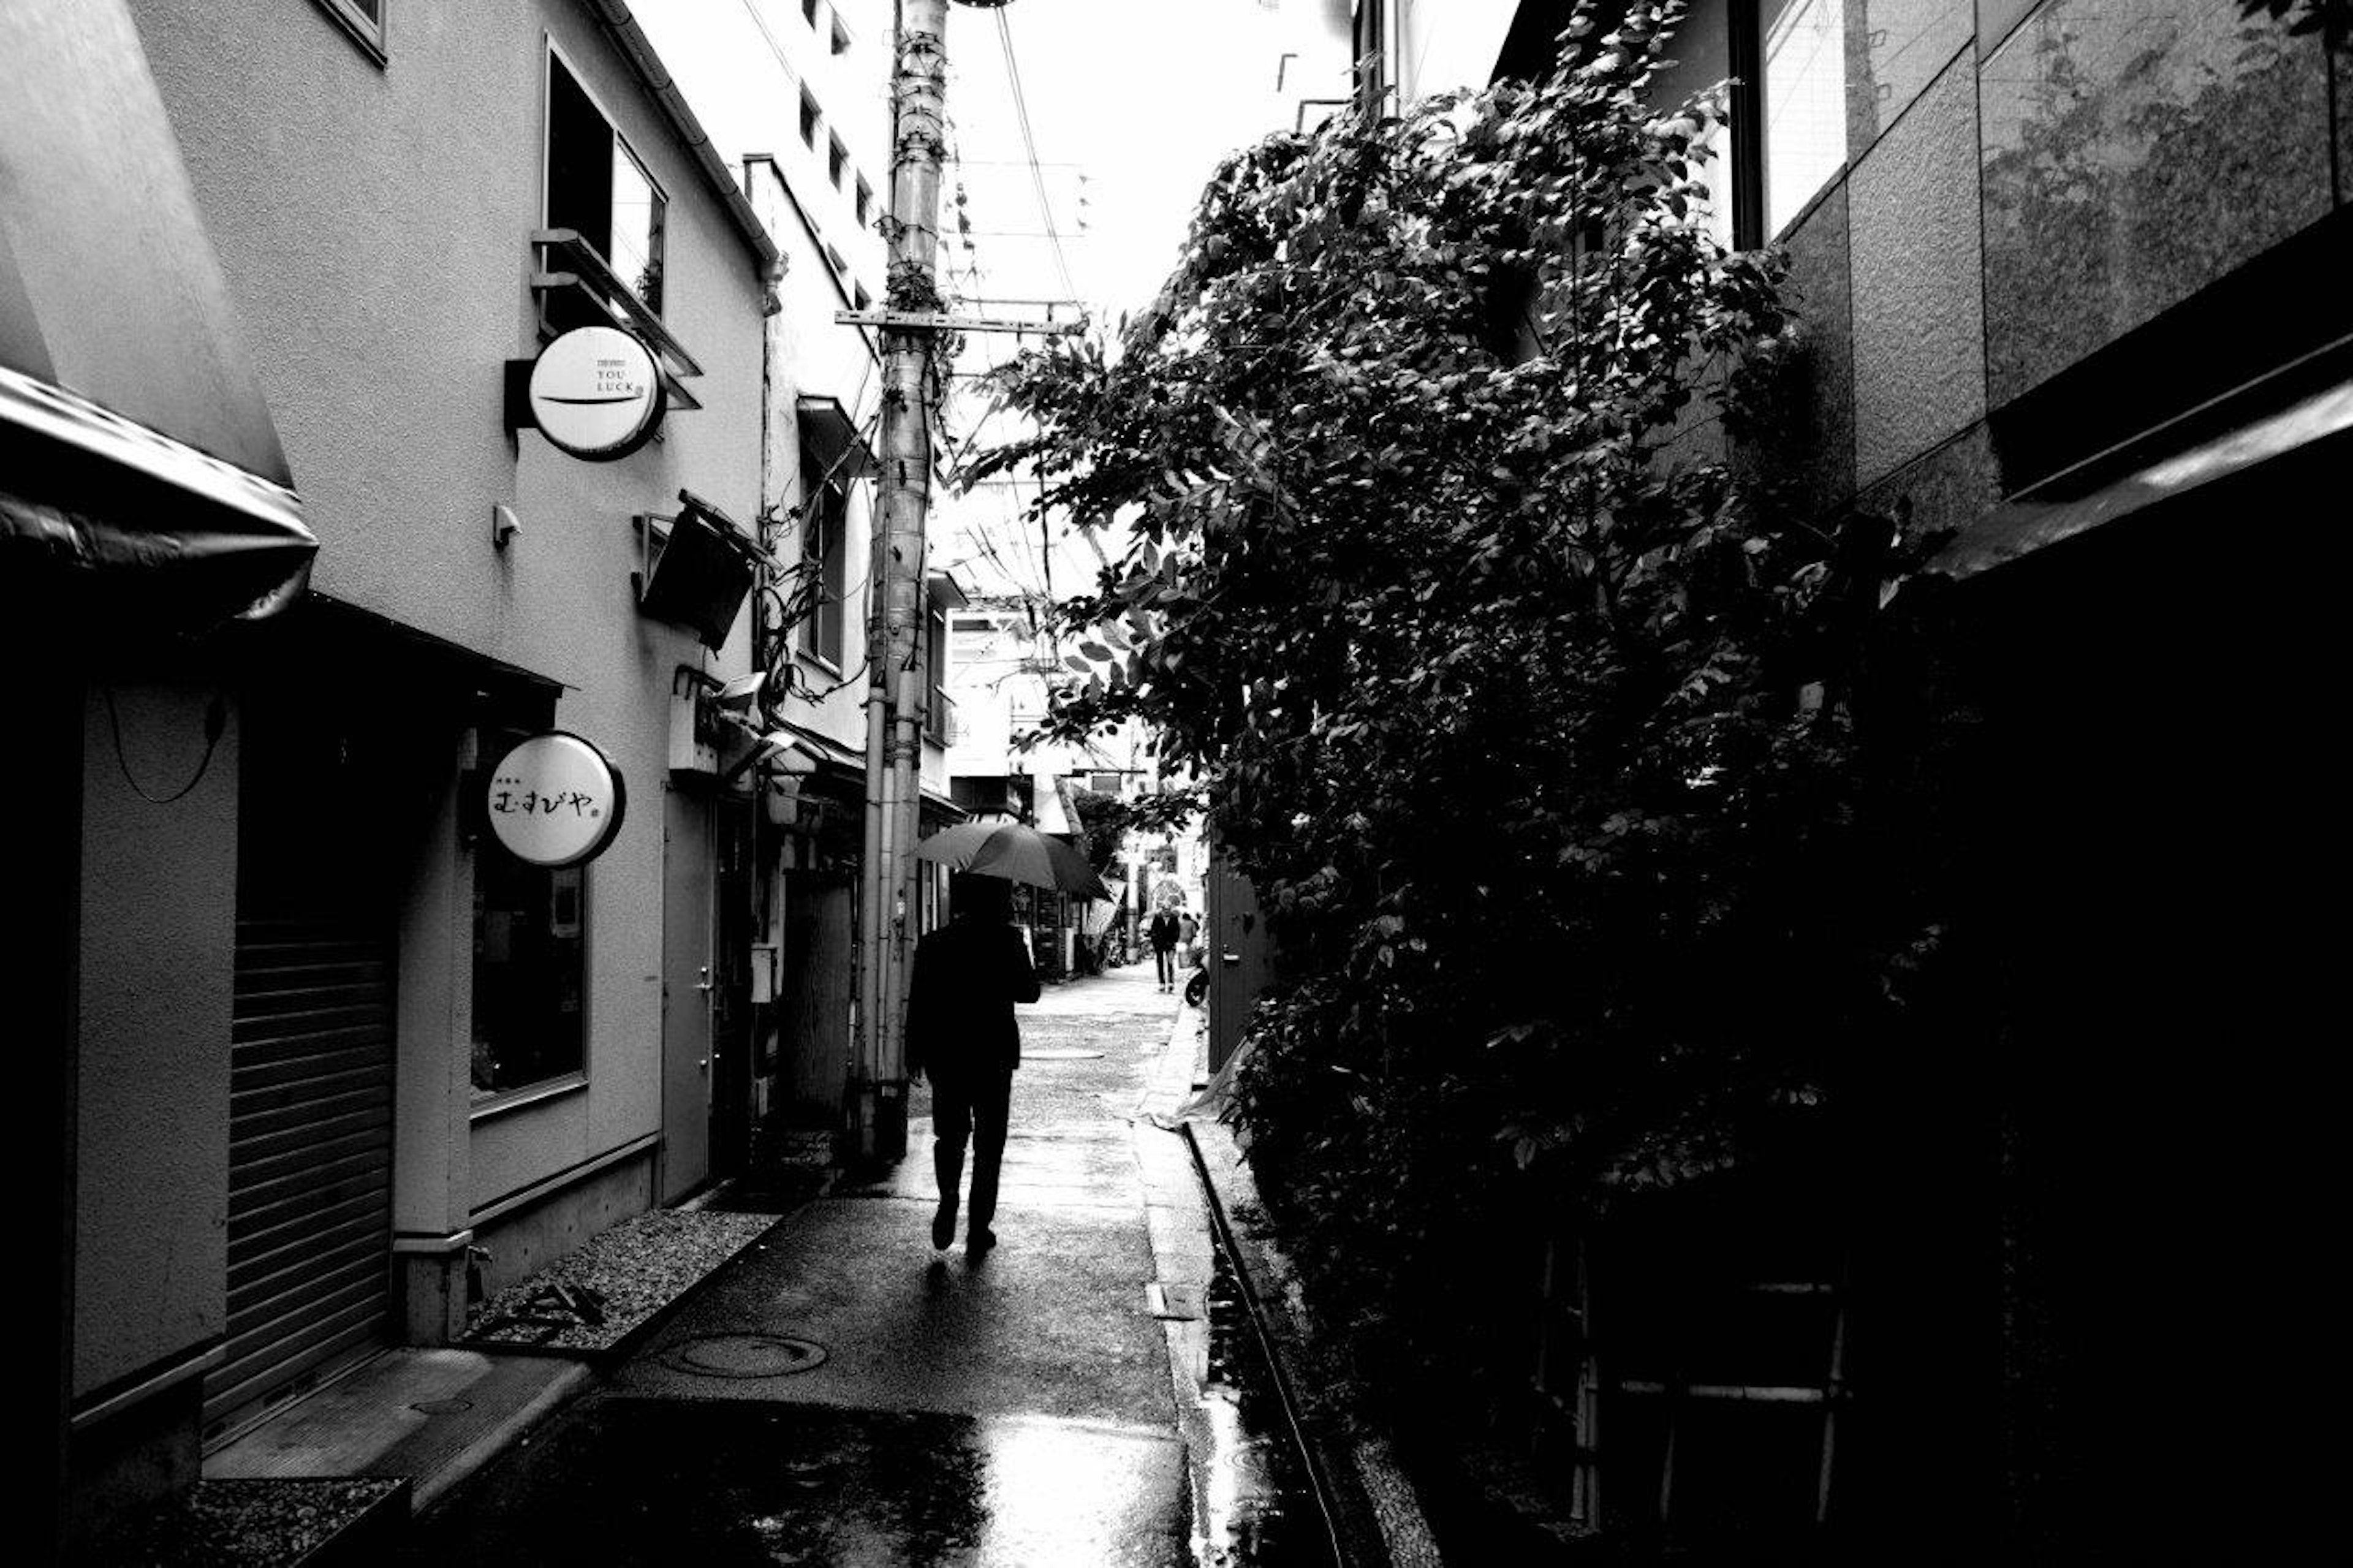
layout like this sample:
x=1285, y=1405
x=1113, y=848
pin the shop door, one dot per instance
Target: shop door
x=689, y=985
x=731, y=999
x=816, y=997
x=310, y=1075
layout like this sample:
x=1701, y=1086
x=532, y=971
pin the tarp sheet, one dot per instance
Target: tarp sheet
x=136, y=452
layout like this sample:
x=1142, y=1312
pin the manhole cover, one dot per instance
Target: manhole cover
x=442, y=1406
x=747, y=1355
x=1057, y=1055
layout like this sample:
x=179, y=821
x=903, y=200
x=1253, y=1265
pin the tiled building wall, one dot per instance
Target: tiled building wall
x=2027, y=182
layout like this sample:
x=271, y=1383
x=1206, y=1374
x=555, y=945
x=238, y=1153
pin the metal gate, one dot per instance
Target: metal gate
x=311, y=1090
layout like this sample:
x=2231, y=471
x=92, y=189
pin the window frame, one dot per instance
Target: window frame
x=836, y=161
x=551, y=56
x=492, y=737
x=1754, y=32
x=812, y=117
x=863, y=202
x=936, y=701
x=366, y=31
x=827, y=526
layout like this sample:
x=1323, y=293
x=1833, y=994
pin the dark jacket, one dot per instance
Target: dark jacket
x=968, y=975
x=1164, y=929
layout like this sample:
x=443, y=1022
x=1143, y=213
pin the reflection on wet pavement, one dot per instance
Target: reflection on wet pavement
x=724, y=1482
x=1257, y=1507
x=841, y=1396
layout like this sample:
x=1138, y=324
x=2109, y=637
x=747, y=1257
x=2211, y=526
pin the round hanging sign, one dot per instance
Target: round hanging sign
x=555, y=800
x=597, y=393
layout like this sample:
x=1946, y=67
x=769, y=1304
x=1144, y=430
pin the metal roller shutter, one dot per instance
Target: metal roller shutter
x=310, y=1092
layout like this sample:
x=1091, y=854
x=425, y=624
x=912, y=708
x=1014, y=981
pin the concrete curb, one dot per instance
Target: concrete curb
x=515, y=1428
x=1374, y=1512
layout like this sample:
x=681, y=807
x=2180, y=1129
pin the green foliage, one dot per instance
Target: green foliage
x=1497, y=688
x=2333, y=19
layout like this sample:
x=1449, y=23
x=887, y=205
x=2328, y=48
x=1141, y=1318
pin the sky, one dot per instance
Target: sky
x=1132, y=104
x=1142, y=97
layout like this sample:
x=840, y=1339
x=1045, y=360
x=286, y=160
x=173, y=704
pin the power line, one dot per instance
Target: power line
x=1030, y=148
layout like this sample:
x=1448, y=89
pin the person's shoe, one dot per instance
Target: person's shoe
x=980, y=1240
x=943, y=1227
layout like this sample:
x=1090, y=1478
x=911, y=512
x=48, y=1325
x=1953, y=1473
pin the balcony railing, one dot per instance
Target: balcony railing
x=568, y=263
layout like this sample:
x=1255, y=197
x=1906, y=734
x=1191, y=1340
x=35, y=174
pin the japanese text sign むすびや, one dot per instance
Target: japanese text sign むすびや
x=554, y=800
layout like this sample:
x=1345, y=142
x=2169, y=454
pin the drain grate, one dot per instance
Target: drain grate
x=745, y=1356
x=442, y=1406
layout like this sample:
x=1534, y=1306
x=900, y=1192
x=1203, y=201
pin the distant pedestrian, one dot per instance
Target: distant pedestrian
x=1165, y=931
x=961, y=1034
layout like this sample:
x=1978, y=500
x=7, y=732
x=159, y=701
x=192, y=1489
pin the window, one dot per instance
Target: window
x=809, y=11
x=825, y=543
x=363, y=19
x=859, y=297
x=840, y=38
x=597, y=186
x=809, y=119
x=1805, y=102
x=837, y=161
x=529, y=928
x=936, y=705
x=865, y=203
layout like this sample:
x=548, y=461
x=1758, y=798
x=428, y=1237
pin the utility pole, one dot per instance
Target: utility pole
x=895, y=693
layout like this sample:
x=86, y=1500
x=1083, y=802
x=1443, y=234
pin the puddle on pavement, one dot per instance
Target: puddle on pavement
x=1255, y=1503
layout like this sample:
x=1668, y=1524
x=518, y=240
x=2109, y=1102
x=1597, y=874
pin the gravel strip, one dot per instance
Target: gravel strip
x=623, y=1275
x=243, y=1523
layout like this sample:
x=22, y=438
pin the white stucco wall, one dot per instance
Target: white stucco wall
x=373, y=223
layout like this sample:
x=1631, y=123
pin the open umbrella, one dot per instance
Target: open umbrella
x=1014, y=852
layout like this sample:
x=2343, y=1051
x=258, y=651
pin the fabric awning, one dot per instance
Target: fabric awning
x=136, y=453
x=2019, y=528
x=832, y=439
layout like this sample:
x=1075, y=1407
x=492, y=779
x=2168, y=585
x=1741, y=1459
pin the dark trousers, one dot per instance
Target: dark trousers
x=1164, y=959
x=977, y=1109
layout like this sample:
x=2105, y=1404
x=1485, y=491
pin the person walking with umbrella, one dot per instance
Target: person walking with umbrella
x=962, y=1037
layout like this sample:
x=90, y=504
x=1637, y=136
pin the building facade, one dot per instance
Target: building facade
x=2068, y=277
x=343, y=1058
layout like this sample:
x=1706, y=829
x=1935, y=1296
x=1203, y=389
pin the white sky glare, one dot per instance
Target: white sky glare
x=1144, y=97
x=1133, y=104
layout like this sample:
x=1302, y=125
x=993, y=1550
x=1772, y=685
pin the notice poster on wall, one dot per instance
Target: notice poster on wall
x=554, y=800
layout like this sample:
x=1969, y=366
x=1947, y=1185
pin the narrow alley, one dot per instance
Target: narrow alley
x=842, y=1394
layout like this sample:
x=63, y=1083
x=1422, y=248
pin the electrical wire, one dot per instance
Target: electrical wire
x=1029, y=147
x=215, y=725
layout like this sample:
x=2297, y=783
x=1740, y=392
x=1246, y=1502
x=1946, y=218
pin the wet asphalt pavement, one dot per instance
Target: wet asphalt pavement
x=1087, y=1393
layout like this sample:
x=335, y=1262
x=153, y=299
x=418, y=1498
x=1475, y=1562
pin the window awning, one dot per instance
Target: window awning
x=2019, y=528
x=136, y=453
x=831, y=438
